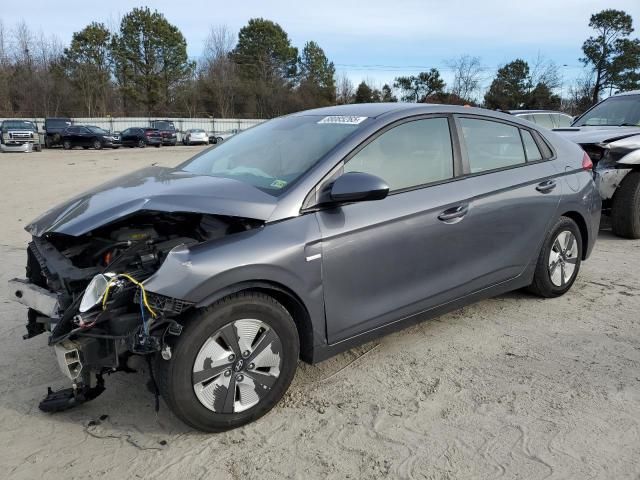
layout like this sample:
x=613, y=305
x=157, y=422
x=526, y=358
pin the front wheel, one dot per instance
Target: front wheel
x=233, y=362
x=625, y=208
x=559, y=260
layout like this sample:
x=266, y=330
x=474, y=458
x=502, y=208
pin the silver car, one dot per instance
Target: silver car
x=300, y=238
x=195, y=136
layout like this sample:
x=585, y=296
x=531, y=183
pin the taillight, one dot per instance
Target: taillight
x=587, y=164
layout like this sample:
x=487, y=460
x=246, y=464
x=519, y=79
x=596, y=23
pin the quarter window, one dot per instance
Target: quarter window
x=530, y=147
x=412, y=154
x=491, y=145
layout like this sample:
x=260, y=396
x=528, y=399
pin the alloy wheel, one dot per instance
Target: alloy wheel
x=563, y=258
x=237, y=366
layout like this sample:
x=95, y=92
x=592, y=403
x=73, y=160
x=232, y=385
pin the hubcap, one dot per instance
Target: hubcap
x=237, y=366
x=563, y=258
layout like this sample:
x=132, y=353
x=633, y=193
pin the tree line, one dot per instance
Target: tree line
x=142, y=68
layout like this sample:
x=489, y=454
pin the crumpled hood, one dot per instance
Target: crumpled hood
x=587, y=135
x=154, y=189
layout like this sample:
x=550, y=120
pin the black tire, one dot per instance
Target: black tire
x=174, y=376
x=625, y=208
x=542, y=283
x=97, y=144
x=158, y=145
x=85, y=148
x=142, y=143
x=47, y=142
x=38, y=147
x=67, y=145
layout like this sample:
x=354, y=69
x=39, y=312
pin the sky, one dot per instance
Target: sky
x=375, y=40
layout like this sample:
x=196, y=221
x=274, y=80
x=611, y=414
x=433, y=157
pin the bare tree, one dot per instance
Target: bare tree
x=344, y=90
x=218, y=75
x=467, y=75
x=545, y=72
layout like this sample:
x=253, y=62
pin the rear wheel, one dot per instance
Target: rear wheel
x=66, y=145
x=559, y=260
x=142, y=143
x=625, y=208
x=97, y=144
x=232, y=363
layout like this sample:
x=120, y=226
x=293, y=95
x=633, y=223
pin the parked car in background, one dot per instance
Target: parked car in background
x=167, y=129
x=545, y=118
x=141, y=137
x=87, y=136
x=19, y=136
x=216, y=138
x=610, y=133
x=195, y=136
x=302, y=237
x=53, y=128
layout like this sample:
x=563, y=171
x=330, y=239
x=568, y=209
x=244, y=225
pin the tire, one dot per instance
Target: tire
x=97, y=145
x=202, y=334
x=142, y=143
x=67, y=145
x=219, y=140
x=553, y=276
x=158, y=145
x=47, y=142
x=38, y=147
x=85, y=148
x=625, y=208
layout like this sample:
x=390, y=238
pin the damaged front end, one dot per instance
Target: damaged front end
x=88, y=292
x=613, y=159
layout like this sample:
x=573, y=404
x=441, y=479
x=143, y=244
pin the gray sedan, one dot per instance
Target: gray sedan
x=300, y=238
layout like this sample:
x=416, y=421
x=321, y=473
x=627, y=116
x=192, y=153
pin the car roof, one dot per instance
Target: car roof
x=630, y=92
x=374, y=110
x=522, y=112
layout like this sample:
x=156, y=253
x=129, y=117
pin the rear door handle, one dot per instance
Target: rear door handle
x=451, y=215
x=546, y=187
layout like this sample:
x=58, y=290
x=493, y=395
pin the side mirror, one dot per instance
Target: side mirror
x=358, y=187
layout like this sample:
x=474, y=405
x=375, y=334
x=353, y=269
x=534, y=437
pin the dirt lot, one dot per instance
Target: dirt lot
x=513, y=387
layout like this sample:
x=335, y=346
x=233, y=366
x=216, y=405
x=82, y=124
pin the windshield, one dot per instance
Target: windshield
x=623, y=110
x=18, y=125
x=197, y=130
x=274, y=154
x=97, y=130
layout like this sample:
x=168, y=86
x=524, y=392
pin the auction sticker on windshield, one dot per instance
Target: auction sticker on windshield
x=343, y=119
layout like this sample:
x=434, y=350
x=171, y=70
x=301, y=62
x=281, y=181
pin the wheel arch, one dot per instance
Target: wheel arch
x=582, y=226
x=287, y=298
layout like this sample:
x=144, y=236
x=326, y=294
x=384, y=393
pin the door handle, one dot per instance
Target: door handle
x=546, y=187
x=455, y=213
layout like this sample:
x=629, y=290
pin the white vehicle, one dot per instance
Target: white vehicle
x=195, y=136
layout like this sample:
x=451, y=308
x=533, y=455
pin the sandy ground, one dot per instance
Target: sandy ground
x=513, y=387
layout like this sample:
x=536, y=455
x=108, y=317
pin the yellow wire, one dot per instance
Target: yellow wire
x=135, y=282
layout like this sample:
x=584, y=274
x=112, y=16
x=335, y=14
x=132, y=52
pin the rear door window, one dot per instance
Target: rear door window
x=491, y=145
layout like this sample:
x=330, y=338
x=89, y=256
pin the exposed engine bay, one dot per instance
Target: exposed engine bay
x=88, y=292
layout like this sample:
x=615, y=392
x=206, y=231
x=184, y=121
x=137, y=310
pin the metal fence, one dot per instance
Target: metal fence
x=117, y=124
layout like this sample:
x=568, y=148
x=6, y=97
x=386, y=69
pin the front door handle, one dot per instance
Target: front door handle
x=454, y=214
x=546, y=187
